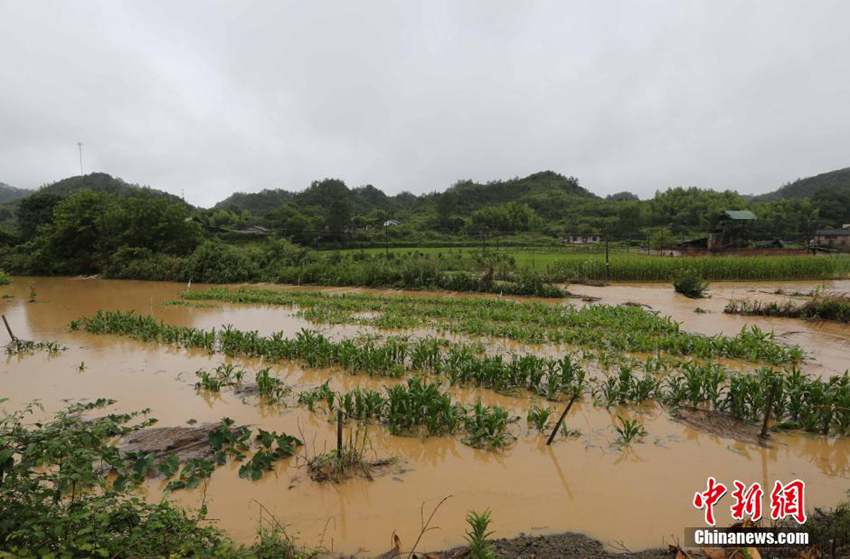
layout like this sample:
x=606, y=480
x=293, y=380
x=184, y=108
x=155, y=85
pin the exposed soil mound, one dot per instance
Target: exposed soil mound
x=720, y=424
x=557, y=546
x=185, y=442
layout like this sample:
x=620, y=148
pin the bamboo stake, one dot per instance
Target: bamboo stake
x=561, y=419
x=9, y=329
x=339, y=433
x=764, y=434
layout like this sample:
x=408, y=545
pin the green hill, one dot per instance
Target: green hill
x=546, y=192
x=256, y=202
x=100, y=182
x=808, y=187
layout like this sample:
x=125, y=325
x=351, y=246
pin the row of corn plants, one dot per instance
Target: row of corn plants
x=624, y=329
x=461, y=364
x=566, y=267
x=417, y=407
x=808, y=403
x=798, y=400
x=269, y=388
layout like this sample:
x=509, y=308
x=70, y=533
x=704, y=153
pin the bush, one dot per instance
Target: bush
x=141, y=263
x=78, y=510
x=690, y=284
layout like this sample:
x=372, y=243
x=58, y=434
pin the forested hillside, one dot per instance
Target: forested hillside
x=98, y=223
x=832, y=182
x=9, y=193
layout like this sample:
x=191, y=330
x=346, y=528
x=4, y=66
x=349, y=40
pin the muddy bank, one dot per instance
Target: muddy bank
x=556, y=546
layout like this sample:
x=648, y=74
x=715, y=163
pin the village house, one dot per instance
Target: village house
x=837, y=239
x=582, y=239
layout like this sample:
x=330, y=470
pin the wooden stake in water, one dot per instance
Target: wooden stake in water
x=339, y=433
x=9, y=329
x=561, y=419
x=764, y=434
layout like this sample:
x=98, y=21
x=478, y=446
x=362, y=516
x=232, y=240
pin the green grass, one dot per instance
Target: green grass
x=639, y=267
x=568, y=264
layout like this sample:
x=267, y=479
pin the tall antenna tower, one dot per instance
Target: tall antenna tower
x=80, y=147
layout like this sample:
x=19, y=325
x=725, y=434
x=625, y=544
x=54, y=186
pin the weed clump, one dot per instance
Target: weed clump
x=691, y=285
x=349, y=461
x=28, y=347
x=822, y=306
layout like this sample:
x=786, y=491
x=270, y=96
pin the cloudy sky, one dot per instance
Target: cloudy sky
x=207, y=98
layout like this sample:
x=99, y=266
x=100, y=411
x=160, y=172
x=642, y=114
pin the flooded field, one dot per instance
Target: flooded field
x=638, y=497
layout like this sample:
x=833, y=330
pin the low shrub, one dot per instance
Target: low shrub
x=690, y=284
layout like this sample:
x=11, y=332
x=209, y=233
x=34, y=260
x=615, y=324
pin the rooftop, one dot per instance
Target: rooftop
x=834, y=232
x=740, y=215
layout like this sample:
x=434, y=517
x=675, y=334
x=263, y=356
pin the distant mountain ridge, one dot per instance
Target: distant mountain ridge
x=9, y=192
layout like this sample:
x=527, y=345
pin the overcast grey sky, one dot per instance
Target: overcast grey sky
x=214, y=97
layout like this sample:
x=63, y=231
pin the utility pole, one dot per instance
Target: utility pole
x=387, y=238
x=80, y=147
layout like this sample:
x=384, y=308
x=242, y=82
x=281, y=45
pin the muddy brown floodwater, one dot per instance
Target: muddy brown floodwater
x=638, y=498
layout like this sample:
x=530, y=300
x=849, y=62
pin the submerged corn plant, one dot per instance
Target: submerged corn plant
x=538, y=417
x=224, y=375
x=416, y=408
x=271, y=389
x=487, y=427
x=321, y=394
x=628, y=430
x=626, y=388
x=419, y=404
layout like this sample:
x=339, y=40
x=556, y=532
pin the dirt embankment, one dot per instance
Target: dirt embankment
x=557, y=546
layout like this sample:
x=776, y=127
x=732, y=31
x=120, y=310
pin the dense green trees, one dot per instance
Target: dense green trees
x=544, y=203
x=80, y=233
x=34, y=211
x=505, y=218
x=97, y=223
